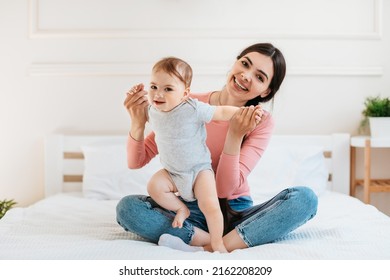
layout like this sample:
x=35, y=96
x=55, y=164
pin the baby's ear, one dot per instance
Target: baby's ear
x=186, y=93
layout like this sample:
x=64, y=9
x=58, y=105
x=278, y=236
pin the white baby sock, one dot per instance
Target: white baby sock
x=176, y=243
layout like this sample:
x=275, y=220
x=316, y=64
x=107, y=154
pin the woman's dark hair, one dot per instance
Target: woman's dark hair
x=279, y=69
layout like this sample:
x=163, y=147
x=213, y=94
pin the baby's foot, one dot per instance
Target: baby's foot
x=176, y=243
x=181, y=215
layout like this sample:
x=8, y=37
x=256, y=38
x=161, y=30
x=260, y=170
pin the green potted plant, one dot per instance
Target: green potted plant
x=5, y=205
x=376, y=113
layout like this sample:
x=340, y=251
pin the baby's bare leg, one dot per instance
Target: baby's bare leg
x=162, y=189
x=206, y=194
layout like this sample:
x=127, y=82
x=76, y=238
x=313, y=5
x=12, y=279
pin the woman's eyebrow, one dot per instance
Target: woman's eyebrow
x=261, y=71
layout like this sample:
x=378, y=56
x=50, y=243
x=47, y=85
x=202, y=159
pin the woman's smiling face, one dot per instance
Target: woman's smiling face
x=250, y=77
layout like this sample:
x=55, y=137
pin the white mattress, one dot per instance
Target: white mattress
x=68, y=226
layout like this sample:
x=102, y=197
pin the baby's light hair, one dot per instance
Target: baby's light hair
x=176, y=67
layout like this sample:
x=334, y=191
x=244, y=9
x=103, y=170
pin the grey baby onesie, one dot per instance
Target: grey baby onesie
x=180, y=135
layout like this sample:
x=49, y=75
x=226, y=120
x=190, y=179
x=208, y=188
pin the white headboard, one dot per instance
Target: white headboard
x=64, y=161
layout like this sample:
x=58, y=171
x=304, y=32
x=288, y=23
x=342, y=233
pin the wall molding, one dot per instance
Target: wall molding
x=37, y=32
x=114, y=69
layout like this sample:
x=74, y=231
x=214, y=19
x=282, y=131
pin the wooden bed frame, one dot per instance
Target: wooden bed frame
x=64, y=161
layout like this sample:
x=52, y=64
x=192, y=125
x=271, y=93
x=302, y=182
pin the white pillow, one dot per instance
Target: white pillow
x=287, y=166
x=106, y=175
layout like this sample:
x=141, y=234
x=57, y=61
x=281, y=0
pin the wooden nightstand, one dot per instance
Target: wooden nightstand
x=369, y=185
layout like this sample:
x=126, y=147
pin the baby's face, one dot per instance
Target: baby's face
x=166, y=91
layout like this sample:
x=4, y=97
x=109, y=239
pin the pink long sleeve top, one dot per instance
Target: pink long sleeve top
x=231, y=170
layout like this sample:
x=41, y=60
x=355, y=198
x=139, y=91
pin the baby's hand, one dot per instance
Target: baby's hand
x=136, y=89
x=258, y=113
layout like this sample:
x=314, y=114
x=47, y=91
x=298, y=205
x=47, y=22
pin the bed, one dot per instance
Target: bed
x=85, y=176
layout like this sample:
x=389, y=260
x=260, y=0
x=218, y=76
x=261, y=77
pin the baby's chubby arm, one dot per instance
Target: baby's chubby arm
x=225, y=112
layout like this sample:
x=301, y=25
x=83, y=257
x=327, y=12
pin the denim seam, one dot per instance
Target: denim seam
x=191, y=234
x=240, y=227
x=241, y=234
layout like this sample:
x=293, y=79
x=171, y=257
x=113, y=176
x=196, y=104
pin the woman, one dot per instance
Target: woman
x=235, y=147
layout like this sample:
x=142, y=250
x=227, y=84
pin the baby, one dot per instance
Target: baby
x=178, y=122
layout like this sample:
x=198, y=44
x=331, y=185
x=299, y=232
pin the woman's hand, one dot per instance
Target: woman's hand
x=242, y=122
x=136, y=102
x=245, y=120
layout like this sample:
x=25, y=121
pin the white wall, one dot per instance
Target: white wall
x=66, y=64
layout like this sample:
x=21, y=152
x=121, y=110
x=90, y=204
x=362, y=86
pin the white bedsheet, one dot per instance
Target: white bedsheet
x=68, y=226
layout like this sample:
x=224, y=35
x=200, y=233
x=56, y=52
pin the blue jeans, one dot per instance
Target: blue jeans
x=259, y=224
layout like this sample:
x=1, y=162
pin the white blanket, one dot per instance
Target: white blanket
x=69, y=226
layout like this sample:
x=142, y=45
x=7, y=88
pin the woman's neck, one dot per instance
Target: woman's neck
x=222, y=97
